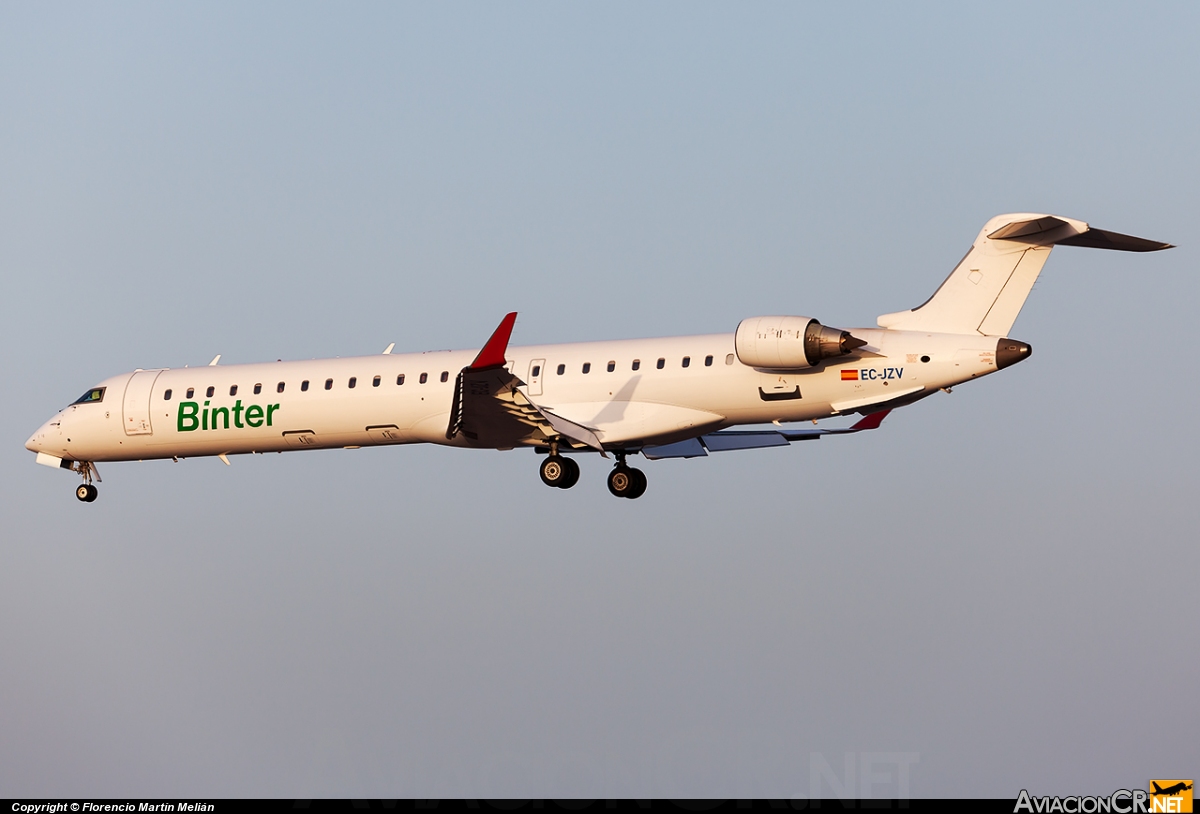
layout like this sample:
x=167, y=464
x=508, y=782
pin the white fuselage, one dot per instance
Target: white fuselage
x=407, y=398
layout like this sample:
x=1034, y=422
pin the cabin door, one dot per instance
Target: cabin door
x=137, y=402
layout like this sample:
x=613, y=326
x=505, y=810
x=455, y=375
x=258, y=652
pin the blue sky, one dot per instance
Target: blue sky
x=995, y=585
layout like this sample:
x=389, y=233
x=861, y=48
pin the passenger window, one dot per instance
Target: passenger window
x=375, y=382
x=708, y=361
x=424, y=378
x=353, y=381
x=687, y=360
x=258, y=388
x=210, y=392
x=537, y=371
x=400, y=379
x=637, y=363
x=612, y=366
x=445, y=375
x=587, y=367
x=729, y=358
x=191, y=392
x=661, y=364
x=233, y=390
x=279, y=387
x=329, y=384
x=167, y=394
x=562, y=369
x=304, y=386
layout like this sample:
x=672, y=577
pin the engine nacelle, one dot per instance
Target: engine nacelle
x=789, y=343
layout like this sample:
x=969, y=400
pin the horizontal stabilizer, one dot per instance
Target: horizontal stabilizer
x=1100, y=239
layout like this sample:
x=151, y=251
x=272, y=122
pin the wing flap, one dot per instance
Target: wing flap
x=691, y=448
x=576, y=432
x=730, y=440
x=726, y=441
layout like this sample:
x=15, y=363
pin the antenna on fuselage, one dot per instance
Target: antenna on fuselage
x=216, y=359
x=388, y=349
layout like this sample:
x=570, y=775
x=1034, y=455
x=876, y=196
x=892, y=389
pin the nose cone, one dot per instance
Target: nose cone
x=1010, y=351
x=34, y=444
x=38, y=441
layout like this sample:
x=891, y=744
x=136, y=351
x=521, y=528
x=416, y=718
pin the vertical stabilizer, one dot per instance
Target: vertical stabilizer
x=986, y=290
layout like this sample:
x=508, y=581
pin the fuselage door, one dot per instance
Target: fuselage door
x=136, y=408
x=537, y=368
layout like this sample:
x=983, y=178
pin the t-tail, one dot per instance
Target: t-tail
x=986, y=290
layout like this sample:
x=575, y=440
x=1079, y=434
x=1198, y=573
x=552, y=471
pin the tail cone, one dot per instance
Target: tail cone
x=1010, y=351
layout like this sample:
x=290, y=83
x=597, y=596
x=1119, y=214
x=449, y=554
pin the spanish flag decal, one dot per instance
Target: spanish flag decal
x=849, y=375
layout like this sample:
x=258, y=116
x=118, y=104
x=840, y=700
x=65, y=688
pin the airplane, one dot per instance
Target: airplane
x=673, y=397
x=1170, y=791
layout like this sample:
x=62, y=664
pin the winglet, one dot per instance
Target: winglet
x=492, y=354
x=871, y=422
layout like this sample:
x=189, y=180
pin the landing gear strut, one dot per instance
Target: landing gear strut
x=86, y=492
x=625, y=481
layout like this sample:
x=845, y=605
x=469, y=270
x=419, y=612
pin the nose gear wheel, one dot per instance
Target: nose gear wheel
x=87, y=470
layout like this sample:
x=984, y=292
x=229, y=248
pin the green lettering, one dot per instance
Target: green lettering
x=220, y=411
x=237, y=414
x=187, y=420
x=254, y=415
x=205, y=427
x=270, y=409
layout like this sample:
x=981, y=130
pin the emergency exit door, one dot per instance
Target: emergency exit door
x=533, y=384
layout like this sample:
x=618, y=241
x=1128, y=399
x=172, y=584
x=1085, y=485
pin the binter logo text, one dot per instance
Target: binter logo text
x=193, y=417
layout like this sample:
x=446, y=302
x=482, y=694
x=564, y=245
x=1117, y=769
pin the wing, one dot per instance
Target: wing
x=491, y=410
x=726, y=440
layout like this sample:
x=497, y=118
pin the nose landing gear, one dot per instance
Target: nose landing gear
x=86, y=492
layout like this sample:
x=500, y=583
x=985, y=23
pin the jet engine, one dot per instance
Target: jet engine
x=790, y=343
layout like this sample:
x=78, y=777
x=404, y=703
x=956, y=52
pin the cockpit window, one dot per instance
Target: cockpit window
x=95, y=394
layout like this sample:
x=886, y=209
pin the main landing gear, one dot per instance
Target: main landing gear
x=86, y=492
x=625, y=481
x=560, y=472
x=563, y=473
